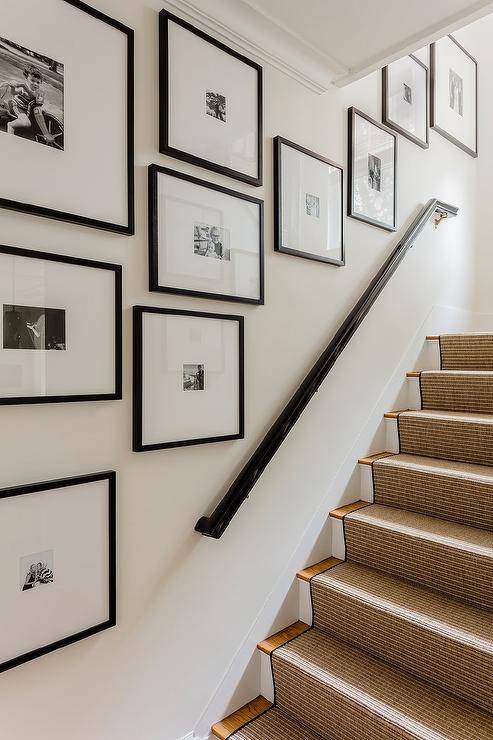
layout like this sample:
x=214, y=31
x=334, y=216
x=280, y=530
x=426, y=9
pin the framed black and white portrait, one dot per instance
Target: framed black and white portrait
x=210, y=102
x=58, y=579
x=405, y=99
x=204, y=240
x=188, y=378
x=372, y=178
x=454, y=94
x=308, y=207
x=66, y=115
x=60, y=328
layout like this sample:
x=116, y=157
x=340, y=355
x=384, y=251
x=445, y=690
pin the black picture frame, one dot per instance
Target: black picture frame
x=433, y=103
x=278, y=143
x=165, y=17
x=153, y=222
x=61, y=483
x=424, y=144
x=137, y=426
x=73, y=218
x=352, y=113
x=118, y=345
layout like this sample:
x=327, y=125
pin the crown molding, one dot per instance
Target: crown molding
x=238, y=23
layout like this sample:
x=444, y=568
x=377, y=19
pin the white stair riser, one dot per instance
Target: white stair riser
x=392, y=435
x=266, y=679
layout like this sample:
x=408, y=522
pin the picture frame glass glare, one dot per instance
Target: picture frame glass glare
x=373, y=172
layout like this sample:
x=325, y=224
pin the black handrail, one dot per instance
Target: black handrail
x=215, y=524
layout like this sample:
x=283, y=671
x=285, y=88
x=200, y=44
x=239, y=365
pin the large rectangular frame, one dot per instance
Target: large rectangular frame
x=278, y=142
x=138, y=312
x=22, y=490
x=395, y=126
x=153, y=172
x=117, y=269
x=164, y=147
x=129, y=228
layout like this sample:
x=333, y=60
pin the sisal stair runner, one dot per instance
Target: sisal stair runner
x=401, y=646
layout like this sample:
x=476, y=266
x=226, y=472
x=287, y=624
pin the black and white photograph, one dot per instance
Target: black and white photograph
x=215, y=105
x=61, y=328
x=312, y=203
x=372, y=181
x=456, y=91
x=408, y=93
x=204, y=240
x=36, y=570
x=211, y=241
x=31, y=95
x=67, y=114
x=308, y=204
x=189, y=386
x=210, y=110
x=374, y=172
x=405, y=99
x=58, y=575
x=193, y=377
x=30, y=327
x=454, y=94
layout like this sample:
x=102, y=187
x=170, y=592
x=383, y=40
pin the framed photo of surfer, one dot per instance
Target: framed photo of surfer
x=66, y=115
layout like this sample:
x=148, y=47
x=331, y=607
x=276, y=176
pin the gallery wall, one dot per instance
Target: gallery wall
x=186, y=604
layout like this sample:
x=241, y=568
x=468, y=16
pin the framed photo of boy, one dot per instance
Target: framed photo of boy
x=308, y=204
x=60, y=328
x=210, y=109
x=58, y=549
x=405, y=99
x=188, y=378
x=372, y=178
x=66, y=114
x=454, y=94
x=204, y=240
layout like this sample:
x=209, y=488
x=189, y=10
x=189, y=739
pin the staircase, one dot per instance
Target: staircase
x=401, y=638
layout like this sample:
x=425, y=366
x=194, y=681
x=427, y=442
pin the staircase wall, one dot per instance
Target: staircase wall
x=190, y=609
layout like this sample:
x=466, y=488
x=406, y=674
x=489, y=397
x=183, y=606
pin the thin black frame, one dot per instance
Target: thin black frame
x=433, y=106
x=138, y=313
x=129, y=228
x=61, y=483
x=385, y=106
x=93, y=264
x=164, y=104
x=352, y=113
x=280, y=141
x=153, y=207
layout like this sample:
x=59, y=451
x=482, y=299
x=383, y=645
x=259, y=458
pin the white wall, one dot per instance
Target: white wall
x=188, y=604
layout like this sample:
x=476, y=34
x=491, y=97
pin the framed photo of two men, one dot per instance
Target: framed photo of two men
x=66, y=113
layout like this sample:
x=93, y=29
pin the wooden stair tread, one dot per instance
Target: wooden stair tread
x=314, y=570
x=432, y=338
x=280, y=638
x=250, y=711
x=413, y=374
x=394, y=414
x=342, y=511
x=370, y=459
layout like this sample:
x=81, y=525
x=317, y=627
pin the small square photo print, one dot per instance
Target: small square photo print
x=31, y=95
x=193, y=378
x=408, y=93
x=312, y=203
x=215, y=105
x=456, y=91
x=30, y=327
x=36, y=570
x=211, y=241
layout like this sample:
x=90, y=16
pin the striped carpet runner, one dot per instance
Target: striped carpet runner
x=402, y=640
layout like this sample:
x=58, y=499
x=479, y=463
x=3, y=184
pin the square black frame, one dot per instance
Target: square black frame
x=352, y=112
x=279, y=141
x=433, y=123
x=138, y=313
x=164, y=147
x=153, y=171
x=129, y=228
x=22, y=490
x=385, y=112
x=93, y=264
